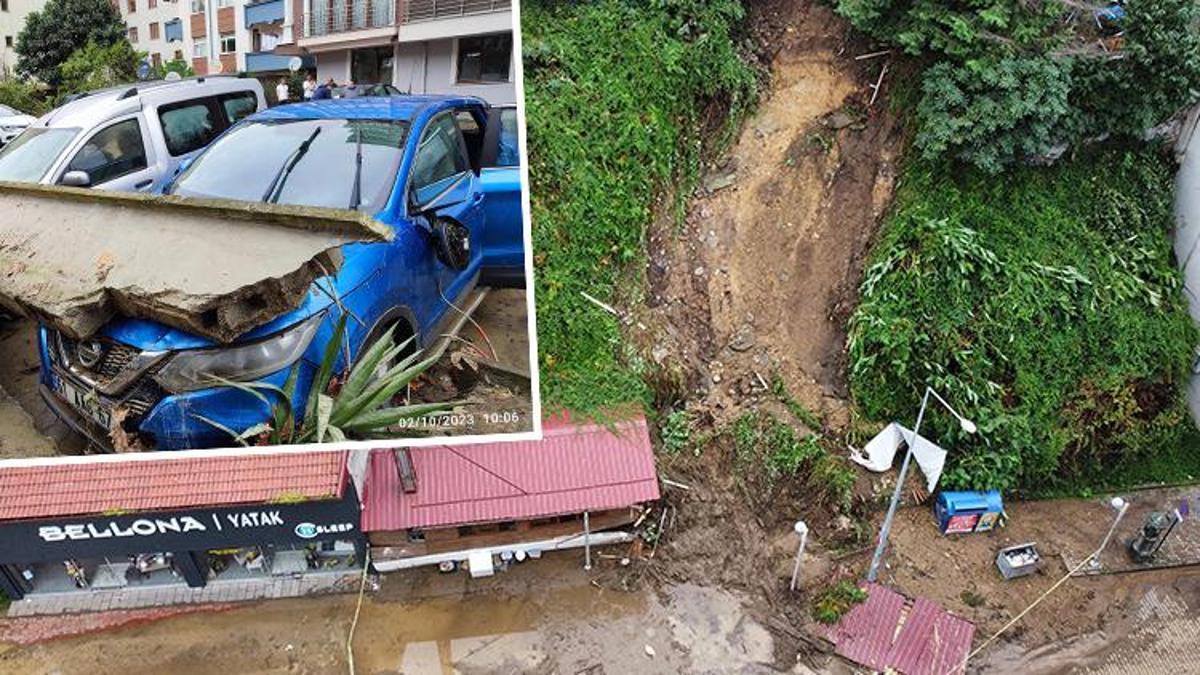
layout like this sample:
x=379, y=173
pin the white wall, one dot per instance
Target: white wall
x=1187, y=232
x=429, y=68
x=335, y=64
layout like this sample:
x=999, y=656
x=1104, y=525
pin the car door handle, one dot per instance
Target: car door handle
x=144, y=184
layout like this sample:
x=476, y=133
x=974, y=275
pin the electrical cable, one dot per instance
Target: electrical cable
x=362, y=589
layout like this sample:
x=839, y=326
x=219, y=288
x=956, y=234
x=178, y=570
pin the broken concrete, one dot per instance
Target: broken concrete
x=75, y=258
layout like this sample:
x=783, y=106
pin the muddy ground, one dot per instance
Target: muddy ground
x=487, y=376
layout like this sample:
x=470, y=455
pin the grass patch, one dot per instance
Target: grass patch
x=761, y=441
x=677, y=432
x=1045, y=305
x=836, y=601
x=614, y=92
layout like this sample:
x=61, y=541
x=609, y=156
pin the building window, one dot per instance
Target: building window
x=178, y=54
x=197, y=6
x=200, y=49
x=151, y=4
x=132, y=5
x=8, y=41
x=228, y=43
x=484, y=58
x=3, y=5
x=224, y=3
x=173, y=30
x=154, y=31
x=156, y=60
x=133, y=35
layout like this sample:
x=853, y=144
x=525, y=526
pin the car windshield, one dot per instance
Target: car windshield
x=304, y=162
x=30, y=155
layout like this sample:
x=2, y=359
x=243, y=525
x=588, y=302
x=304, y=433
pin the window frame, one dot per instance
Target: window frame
x=215, y=111
x=409, y=187
x=141, y=136
x=222, y=37
x=458, y=60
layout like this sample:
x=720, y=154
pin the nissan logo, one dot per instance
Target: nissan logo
x=90, y=352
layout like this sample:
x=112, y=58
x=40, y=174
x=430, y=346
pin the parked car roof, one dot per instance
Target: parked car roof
x=400, y=108
x=93, y=106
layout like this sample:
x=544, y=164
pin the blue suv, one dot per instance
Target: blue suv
x=416, y=162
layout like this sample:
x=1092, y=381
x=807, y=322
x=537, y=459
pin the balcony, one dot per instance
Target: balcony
x=268, y=62
x=340, y=16
x=429, y=10
x=270, y=11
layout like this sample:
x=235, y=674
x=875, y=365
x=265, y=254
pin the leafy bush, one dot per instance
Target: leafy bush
x=1047, y=307
x=784, y=454
x=833, y=603
x=96, y=66
x=1009, y=80
x=677, y=432
x=23, y=96
x=613, y=91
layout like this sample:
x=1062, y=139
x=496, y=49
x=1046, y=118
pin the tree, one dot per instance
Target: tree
x=1009, y=80
x=55, y=32
x=183, y=68
x=97, y=67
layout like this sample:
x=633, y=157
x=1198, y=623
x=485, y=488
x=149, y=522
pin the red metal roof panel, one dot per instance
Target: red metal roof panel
x=864, y=634
x=571, y=470
x=162, y=484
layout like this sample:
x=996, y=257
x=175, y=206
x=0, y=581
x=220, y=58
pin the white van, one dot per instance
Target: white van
x=130, y=138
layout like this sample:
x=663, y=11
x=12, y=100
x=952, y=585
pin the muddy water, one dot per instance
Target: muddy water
x=546, y=616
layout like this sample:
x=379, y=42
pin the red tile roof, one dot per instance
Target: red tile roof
x=161, y=484
x=571, y=470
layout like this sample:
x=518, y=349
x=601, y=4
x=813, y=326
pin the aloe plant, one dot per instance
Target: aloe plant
x=361, y=406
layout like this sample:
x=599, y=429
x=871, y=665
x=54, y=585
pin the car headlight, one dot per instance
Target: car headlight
x=198, y=368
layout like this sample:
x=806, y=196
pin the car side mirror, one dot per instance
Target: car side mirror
x=76, y=179
x=452, y=243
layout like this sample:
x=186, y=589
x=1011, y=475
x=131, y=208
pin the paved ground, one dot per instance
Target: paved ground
x=73, y=602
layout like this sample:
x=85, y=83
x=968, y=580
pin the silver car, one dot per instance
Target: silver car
x=129, y=138
x=12, y=123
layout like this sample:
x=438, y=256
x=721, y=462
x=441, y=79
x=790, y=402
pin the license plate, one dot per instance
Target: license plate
x=86, y=402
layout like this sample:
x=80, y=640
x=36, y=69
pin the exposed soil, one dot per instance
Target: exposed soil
x=763, y=273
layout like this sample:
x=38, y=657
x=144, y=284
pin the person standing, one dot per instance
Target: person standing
x=310, y=83
x=281, y=91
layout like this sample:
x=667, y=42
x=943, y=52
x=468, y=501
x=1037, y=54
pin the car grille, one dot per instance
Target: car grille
x=115, y=359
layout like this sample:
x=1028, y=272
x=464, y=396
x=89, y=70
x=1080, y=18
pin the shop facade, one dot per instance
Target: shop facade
x=269, y=531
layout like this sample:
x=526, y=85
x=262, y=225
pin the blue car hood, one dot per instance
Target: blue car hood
x=360, y=263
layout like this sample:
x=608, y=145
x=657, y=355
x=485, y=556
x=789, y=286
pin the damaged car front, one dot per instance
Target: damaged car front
x=140, y=384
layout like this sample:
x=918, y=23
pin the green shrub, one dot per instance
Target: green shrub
x=25, y=97
x=1046, y=306
x=677, y=432
x=1009, y=80
x=833, y=603
x=613, y=92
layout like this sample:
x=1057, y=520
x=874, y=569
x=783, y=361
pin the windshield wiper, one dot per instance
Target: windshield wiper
x=356, y=191
x=277, y=183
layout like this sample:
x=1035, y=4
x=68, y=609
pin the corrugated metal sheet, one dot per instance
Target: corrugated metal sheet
x=931, y=640
x=161, y=484
x=572, y=469
x=864, y=635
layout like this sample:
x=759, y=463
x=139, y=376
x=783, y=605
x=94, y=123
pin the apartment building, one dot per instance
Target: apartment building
x=214, y=36
x=419, y=46
x=12, y=20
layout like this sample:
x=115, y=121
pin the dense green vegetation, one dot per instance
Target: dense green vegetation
x=1008, y=80
x=614, y=90
x=836, y=601
x=761, y=440
x=54, y=32
x=1045, y=304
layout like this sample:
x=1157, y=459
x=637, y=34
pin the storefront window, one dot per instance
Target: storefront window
x=484, y=58
x=372, y=65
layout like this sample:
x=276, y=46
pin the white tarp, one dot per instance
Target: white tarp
x=880, y=452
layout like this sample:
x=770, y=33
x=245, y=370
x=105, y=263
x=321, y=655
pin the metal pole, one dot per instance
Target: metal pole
x=873, y=572
x=587, y=542
x=802, y=530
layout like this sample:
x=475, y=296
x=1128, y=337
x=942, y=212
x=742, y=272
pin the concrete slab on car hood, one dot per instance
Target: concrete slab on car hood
x=76, y=258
